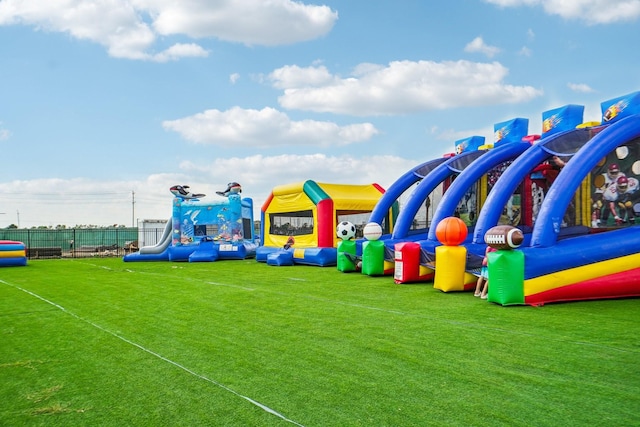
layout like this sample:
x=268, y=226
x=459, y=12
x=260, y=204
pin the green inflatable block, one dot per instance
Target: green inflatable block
x=506, y=277
x=373, y=258
x=346, y=263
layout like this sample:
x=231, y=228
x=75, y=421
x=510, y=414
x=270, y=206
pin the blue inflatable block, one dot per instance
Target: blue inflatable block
x=561, y=119
x=181, y=253
x=620, y=107
x=206, y=252
x=320, y=257
x=241, y=250
x=280, y=258
x=510, y=131
x=262, y=252
x=468, y=144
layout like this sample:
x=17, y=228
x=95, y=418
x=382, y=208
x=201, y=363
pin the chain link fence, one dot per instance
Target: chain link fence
x=80, y=242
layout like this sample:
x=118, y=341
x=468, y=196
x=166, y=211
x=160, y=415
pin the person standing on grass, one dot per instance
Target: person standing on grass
x=482, y=285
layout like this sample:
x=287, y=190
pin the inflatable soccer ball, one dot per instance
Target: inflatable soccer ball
x=346, y=230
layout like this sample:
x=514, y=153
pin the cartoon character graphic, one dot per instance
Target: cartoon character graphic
x=602, y=182
x=466, y=209
x=183, y=192
x=621, y=196
x=615, y=109
x=550, y=122
x=537, y=196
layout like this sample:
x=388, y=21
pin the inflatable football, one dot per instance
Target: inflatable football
x=504, y=237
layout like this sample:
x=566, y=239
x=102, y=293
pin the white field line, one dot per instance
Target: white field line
x=159, y=356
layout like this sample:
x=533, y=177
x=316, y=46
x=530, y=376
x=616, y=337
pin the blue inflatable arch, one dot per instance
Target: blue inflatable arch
x=470, y=175
x=381, y=210
x=564, y=144
x=546, y=229
x=438, y=174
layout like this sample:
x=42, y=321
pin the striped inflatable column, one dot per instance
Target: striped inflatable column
x=12, y=253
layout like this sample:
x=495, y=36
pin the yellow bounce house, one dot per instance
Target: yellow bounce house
x=303, y=217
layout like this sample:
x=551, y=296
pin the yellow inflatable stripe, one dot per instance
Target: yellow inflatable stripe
x=425, y=271
x=294, y=188
x=579, y=274
x=12, y=254
x=587, y=125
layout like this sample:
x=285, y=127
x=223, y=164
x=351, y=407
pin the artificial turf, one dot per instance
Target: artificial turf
x=100, y=342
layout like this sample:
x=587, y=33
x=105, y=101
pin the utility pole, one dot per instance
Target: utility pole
x=18, y=215
x=133, y=208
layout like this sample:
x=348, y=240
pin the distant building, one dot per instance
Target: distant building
x=150, y=231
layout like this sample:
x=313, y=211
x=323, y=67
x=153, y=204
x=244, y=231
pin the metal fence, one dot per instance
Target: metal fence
x=80, y=242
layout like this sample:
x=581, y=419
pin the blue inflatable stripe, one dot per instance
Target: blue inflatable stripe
x=7, y=262
x=12, y=247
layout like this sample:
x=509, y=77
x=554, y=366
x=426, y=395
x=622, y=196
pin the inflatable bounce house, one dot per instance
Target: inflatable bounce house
x=12, y=254
x=455, y=185
x=204, y=231
x=461, y=184
x=596, y=194
x=299, y=220
x=577, y=232
x=476, y=187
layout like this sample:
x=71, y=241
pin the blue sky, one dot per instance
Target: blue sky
x=109, y=102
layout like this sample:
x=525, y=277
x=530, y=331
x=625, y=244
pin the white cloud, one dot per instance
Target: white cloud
x=180, y=50
x=265, y=128
x=295, y=76
x=233, y=78
x=79, y=201
x=590, y=11
x=252, y=22
x=120, y=25
x=580, y=87
x=112, y=23
x=524, y=51
x=398, y=88
x=478, y=45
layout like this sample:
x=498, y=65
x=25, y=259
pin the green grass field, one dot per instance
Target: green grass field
x=100, y=342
